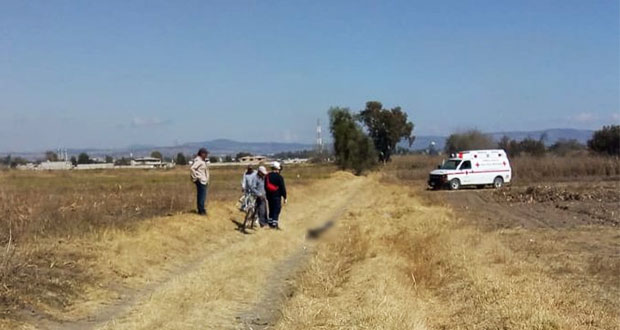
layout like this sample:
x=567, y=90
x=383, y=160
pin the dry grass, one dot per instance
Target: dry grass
x=62, y=232
x=399, y=262
x=394, y=260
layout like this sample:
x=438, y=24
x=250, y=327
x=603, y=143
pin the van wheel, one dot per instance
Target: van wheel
x=498, y=182
x=455, y=184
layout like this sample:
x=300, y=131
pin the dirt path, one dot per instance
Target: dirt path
x=239, y=283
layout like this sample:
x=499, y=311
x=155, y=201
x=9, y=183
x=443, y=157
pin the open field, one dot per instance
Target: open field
x=62, y=232
x=537, y=255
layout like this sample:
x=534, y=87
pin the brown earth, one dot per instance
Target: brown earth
x=545, y=205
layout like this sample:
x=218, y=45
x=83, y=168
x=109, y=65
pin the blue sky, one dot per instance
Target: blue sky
x=117, y=73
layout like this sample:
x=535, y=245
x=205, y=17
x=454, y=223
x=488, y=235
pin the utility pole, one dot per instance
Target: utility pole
x=319, y=137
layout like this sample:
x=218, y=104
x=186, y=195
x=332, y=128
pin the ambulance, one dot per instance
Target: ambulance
x=472, y=168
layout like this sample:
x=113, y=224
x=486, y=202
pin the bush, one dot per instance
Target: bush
x=352, y=148
x=532, y=147
x=564, y=147
x=469, y=140
x=606, y=140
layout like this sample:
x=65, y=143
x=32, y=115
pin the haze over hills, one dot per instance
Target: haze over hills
x=230, y=147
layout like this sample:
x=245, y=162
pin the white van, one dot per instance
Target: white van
x=473, y=167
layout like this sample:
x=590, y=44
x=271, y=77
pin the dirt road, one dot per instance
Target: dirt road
x=238, y=281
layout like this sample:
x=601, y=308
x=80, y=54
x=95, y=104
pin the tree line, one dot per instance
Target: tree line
x=605, y=141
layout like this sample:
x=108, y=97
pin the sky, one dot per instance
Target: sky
x=109, y=74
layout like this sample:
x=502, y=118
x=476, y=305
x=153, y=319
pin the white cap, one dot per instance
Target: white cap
x=262, y=169
x=276, y=165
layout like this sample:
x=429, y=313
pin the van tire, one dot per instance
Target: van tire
x=498, y=182
x=454, y=184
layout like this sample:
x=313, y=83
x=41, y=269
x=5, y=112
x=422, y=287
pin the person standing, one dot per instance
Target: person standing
x=199, y=172
x=257, y=189
x=246, y=183
x=276, y=192
x=247, y=178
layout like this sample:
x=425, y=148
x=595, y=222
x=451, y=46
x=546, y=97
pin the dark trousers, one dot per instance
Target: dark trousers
x=275, y=206
x=201, y=197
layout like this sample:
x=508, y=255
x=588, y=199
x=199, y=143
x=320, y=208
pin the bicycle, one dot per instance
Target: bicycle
x=251, y=213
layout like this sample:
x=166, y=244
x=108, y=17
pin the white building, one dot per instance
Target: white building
x=59, y=165
x=252, y=160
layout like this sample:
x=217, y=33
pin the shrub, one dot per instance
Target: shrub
x=469, y=140
x=606, y=140
x=563, y=147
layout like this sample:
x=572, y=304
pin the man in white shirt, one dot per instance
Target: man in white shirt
x=199, y=172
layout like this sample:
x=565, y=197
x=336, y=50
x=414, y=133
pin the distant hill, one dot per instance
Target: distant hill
x=231, y=147
x=551, y=136
x=215, y=147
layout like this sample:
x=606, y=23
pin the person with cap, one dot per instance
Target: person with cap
x=276, y=193
x=199, y=172
x=257, y=190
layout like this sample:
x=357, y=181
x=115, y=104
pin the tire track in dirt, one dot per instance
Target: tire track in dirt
x=128, y=297
x=267, y=311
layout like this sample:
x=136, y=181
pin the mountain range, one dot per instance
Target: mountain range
x=230, y=147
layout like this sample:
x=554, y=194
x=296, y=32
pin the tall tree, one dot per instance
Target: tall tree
x=83, y=158
x=51, y=156
x=386, y=128
x=606, y=140
x=157, y=154
x=180, y=159
x=352, y=148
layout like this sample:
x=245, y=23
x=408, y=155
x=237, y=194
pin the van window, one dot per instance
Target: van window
x=466, y=165
x=450, y=164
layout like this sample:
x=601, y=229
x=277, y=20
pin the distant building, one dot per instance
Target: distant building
x=147, y=161
x=296, y=161
x=60, y=165
x=97, y=166
x=252, y=159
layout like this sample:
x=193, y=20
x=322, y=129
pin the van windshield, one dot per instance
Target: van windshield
x=450, y=164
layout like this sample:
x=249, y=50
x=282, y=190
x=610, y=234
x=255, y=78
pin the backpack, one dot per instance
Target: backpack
x=270, y=186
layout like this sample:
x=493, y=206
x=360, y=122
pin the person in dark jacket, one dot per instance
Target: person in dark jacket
x=276, y=193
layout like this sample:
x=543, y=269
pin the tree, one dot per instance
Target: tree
x=563, y=147
x=74, y=161
x=469, y=140
x=606, y=140
x=228, y=159
x=157, y=154
x=512, y=147
x=109, y=159
x=18, y=161
x=51, y=156
x=386, y=128
x=83, y=158
x=242, y=154
x=180, y=159
x=353, y=149
x=123, y=161
x=533, y=147
x=214, y=159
